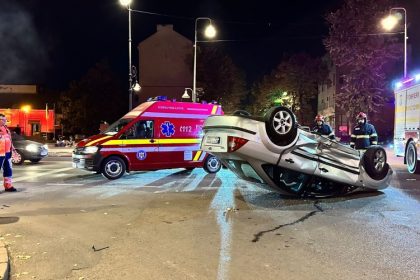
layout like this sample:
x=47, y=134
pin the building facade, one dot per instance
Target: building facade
x=165, y=64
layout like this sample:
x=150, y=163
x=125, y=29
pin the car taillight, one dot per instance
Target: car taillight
x=235, y=143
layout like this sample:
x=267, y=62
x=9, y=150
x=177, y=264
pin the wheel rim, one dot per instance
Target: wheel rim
x=213, y=164
x=16, y=158
x=282, y=122
x=411, y=158
x=379, y=160
x=113, y=168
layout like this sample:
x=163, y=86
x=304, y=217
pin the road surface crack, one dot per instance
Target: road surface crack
x=302, y=219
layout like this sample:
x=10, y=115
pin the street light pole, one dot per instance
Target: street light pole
x=127, y=3
x=210, y=32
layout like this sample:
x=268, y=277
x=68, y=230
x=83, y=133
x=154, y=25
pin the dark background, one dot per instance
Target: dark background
x=54, y=42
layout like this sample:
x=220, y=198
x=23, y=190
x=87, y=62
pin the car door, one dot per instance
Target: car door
x=337, y=162
x=140, y=146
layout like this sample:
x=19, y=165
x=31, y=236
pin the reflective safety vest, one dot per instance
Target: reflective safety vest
x=5, y=141
x=324, y=129
x=363, y=136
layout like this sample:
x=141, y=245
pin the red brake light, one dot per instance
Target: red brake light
x=235, y=143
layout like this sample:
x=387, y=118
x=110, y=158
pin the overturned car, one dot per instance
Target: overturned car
x=272, y=150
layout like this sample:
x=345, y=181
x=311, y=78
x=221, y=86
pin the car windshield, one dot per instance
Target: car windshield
x=117, y=126
x=17, y=137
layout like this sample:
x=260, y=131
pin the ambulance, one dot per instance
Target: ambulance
x=158, y=134
x=407, y=122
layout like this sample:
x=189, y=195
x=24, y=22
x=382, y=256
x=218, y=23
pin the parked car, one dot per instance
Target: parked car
x=27, y=150
x=273, y=151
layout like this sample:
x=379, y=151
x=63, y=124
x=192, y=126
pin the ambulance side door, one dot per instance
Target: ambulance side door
x=140, y=146
x=177, y=147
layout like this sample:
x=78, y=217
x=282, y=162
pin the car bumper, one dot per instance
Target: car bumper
x=87, y=162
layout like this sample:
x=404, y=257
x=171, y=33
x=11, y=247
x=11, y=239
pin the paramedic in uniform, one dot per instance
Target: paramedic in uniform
x=322, y=128
x=6, y=148
x=364, y=134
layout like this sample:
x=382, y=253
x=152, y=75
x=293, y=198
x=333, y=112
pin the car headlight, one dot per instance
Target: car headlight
x=45, y=146
x=32, y=148
x=90, y=150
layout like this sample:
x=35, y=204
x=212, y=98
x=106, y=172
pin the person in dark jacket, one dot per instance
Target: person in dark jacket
x=364, y=134
x=322, y=128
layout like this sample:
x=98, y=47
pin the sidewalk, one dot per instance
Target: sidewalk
x=59, y=151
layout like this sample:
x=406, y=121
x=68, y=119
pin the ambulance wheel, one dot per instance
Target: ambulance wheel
x=413, y=165
x=375, y=162
x=212, y=164
x=17, y=157
x=113, y=167
x=281, y=125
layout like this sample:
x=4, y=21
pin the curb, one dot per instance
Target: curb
x=4, y=262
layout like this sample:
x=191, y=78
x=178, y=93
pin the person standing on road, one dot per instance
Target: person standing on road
x=6, y=148
x=364, y=134
x=322, y=128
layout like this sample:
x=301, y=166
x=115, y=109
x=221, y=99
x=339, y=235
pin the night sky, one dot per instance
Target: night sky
x=54, y=42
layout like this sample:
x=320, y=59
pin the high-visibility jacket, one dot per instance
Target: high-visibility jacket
x=363, y=136
x=5, y=140
x=324, y=129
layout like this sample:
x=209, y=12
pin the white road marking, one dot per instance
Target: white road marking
x=63, y=184
x=35, y=175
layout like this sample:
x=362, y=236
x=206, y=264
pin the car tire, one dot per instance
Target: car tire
x=241, y=113
x=35, y=160
x=413, y=165
x=113, y=167
x=281, y=125
x=212, y=164
x=375, y=162
x=17, y=157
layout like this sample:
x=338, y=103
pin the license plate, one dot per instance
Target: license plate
x=213, y=140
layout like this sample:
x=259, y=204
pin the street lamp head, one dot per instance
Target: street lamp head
x=125, y=2
x=210, y=31
x=389, y=22
x=136, y=87
x=26, y=108
x=185, y=95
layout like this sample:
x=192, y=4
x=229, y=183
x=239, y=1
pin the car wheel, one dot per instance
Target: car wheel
x=35, y=160
x=17, y=157
x=212, y=164
x=375, y=162
x=241, y=113
x=413, y=165
x=280, y=124
x=113, y=167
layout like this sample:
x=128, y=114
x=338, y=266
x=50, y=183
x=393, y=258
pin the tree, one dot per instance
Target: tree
x=295, y=83
x=362, y=55
x=96, y=97
x=220, y=79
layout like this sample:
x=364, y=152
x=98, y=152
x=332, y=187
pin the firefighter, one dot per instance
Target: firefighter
x=6, y=148
x=364, y=133
x=322, y=128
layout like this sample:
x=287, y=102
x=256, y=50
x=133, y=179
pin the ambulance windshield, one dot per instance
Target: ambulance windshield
x=117, y=126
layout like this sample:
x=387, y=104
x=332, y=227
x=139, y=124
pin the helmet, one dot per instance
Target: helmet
x=319, y=118
x=361, y=115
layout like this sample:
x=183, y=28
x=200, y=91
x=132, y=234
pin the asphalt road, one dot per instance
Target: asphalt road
x=176, y=224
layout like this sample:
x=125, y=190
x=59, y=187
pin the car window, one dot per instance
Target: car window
x=244, y=170
x=142, y=129
x=17, y=137
x=291, y=181
x=117, y=126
